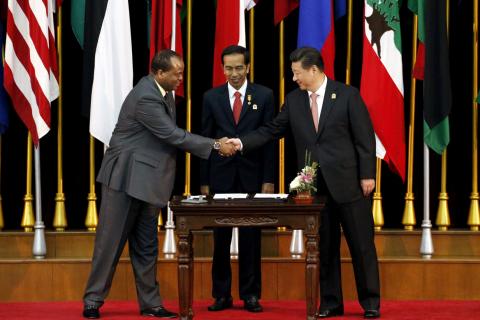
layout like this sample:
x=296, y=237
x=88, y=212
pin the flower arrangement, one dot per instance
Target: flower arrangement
x=305, y=181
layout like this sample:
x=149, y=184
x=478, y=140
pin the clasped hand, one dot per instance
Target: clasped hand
x=228, y=147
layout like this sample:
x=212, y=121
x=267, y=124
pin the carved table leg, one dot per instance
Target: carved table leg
x=311, y=271
x=185, y=275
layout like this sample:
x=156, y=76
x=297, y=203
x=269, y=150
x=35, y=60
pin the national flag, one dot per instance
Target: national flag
x=161, y=34
x=31, y=63
x=418, y=7
x=77, y=19
x=382, y=80
x=229, y=30
x=478, y=97
x=437, y=92
x=4, y=103
x=316, y=28
x=282, y=8
x=108, y=69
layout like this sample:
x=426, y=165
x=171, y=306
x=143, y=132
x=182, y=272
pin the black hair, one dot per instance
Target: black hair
x=234, y=49
x=163, y=60
x=308, y=56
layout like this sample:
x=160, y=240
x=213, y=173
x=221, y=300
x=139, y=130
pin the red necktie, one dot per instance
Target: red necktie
x=314, y=108
x=237, y=107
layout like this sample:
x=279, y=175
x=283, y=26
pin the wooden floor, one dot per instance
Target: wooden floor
x=452, y=273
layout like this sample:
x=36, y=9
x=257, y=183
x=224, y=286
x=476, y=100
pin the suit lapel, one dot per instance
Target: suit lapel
x=328, y=103
x=225, y=105
x=249, y=92
x=307, y=111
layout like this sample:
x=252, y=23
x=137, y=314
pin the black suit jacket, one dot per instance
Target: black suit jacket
x=253, y=169
x=344, y=146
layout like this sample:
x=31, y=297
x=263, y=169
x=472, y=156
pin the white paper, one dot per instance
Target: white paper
x=227, y=196
x=271, y=196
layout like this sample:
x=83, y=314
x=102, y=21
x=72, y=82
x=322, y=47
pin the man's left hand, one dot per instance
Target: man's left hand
x=268, y=188
x=367, y=186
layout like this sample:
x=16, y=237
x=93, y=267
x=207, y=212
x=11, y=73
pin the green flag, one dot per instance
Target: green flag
x=437, y=92
x=77, y=17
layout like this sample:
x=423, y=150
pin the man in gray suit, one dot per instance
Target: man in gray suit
x=137, y=175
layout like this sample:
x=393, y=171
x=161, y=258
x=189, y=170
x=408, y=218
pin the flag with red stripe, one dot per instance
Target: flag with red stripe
x=31, y=63
x=283, y=8
x=229, y=30
x=382, y=80
x=162, y=33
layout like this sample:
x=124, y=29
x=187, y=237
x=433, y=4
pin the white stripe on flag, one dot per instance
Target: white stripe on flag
x=113, y=74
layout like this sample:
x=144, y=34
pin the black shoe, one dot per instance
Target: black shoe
x=221, y=303
x=371, y=314
x=251, y=304
x=159, y=312
x=91, y=312
x=332, y=312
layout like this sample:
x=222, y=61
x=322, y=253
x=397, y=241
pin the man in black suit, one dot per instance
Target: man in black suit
x=234, y=109
x=330, y=120
x=137, y=176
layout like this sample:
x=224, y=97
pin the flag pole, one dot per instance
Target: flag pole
x=39, y=249
x=281, y=100
x=91, y=220
x=443, y=215
x=60, y=216
x=251, y=42
x=189, y=91
x=27, y=219
x=349, y=43
x=474, y=212
x=408, y=219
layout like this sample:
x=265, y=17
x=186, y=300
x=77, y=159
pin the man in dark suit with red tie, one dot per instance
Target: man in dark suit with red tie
x=231, y=110
x=330, y=120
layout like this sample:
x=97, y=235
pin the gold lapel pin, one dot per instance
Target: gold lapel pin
x=334, y=96
x=254, y=107
x=249, y=99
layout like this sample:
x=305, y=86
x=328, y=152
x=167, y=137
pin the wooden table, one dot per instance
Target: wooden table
x=242, y=213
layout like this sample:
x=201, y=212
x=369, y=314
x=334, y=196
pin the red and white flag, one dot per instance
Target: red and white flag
x=229, y=30
x=31, y=62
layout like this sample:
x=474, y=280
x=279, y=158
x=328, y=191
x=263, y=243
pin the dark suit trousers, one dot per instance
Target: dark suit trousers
x=357, y=223
x=123, y=217
x=249, y=260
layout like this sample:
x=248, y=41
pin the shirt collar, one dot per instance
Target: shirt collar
x=321, y=90
x=162, y=91
x=232, y=90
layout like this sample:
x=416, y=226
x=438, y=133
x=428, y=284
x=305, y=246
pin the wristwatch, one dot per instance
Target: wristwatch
x=216, y=145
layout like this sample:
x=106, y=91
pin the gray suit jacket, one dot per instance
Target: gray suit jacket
x=141, y=158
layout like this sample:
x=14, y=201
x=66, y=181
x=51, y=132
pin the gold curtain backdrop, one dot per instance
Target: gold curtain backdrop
x=75, y=184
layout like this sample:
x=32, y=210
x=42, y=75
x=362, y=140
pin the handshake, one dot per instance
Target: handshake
x=228, y=147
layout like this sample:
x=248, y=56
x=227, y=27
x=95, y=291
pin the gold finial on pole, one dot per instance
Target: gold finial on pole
x=91, y=220
x=408, y=219
x=60, y=216
x=377, y=209
x=28, y=219
x=474, y=212
x=188, y=85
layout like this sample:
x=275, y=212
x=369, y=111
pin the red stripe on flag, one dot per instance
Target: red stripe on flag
x=227, y=32
x=23, y=54
x=419, y=68
x=328, y=54
x=283, y=8
x=385, y=105
x=161, y=31
x=21, y=104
